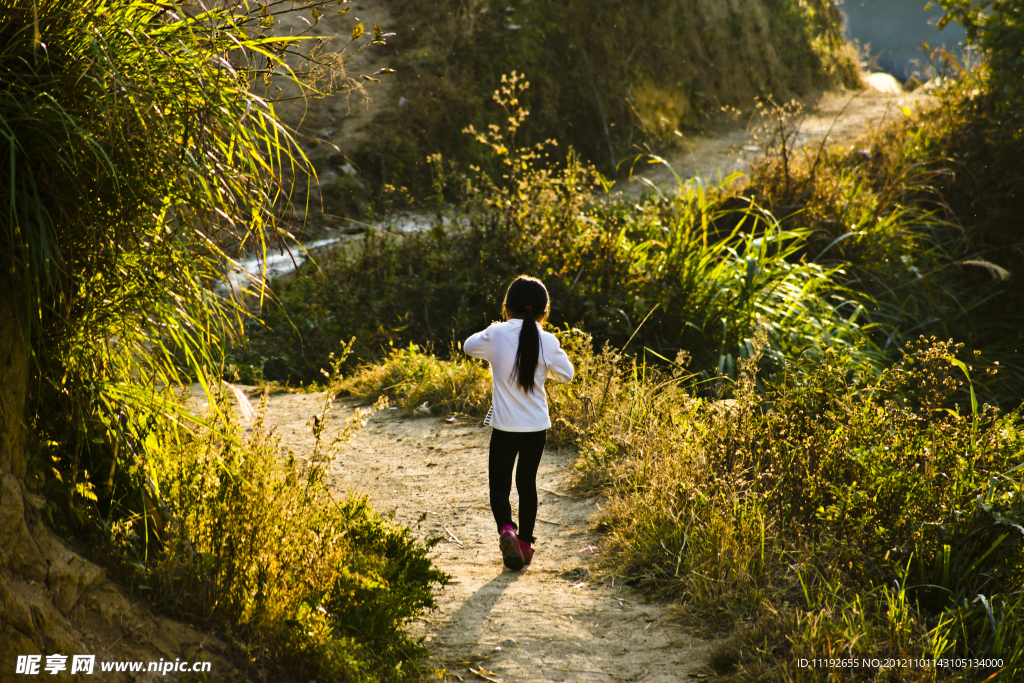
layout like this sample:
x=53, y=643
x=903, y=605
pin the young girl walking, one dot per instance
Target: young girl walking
x=522, y=356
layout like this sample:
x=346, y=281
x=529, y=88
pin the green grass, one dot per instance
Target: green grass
x=305, y=583
x=871, y=516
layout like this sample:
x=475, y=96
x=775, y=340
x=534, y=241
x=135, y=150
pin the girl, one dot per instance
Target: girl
x=522, y=356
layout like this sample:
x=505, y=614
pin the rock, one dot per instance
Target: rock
x=883, y=82
x=15, y=607
x=13, y=644
x=18, y=550
x=69, y=577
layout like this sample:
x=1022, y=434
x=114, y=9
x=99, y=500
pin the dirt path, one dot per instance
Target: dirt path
x=556, y=621
x=839, y=116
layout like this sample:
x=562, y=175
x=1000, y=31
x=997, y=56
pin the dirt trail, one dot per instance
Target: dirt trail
x=556, y=621
x=840, y=116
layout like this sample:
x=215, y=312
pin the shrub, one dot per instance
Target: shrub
x=841, y=513
x=253, y=544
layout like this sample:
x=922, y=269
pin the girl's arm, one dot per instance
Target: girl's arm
x=479, y=345
x=560, y=367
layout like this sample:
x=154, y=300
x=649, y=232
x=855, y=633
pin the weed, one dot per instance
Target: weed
x=254, y=545
x=832, y=511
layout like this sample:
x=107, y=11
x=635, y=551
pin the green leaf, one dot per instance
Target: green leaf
x=358, y=31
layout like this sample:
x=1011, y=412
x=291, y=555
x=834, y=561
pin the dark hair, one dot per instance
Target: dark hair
x=527, y=298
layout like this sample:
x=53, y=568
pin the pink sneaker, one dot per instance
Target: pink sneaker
x=511, y=553
x=527, y=550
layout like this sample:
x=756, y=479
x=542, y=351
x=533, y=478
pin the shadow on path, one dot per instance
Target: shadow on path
x=468, y=621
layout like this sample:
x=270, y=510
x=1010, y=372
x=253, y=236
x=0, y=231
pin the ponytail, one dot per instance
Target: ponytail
x=527, y=353
x=527, y=298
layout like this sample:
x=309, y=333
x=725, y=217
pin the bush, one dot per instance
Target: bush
x=255, y=546
x=841, y=513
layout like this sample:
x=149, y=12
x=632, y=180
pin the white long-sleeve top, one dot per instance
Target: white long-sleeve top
x=512, y=409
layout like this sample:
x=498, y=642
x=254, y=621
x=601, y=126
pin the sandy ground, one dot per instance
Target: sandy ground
x=558, y=620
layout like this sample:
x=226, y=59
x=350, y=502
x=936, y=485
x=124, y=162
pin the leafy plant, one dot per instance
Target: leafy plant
x=256, y=545
x=829, y=512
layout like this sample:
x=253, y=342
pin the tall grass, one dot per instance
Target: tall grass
x=245, y=537
x=922, y=212
x=844, y=515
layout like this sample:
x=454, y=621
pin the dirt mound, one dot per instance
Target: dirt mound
x=55, y=602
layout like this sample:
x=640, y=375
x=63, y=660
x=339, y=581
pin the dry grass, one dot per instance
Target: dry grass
x=815, y=514
x=413, y=378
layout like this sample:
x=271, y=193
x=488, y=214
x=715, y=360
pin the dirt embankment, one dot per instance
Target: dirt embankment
x=560, y=619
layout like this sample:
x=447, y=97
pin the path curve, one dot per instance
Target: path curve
x=559, y=620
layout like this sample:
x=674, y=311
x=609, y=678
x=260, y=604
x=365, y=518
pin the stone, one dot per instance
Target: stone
x=883, y=82
x=15, y=607
x=69, y=574
x=18, y=550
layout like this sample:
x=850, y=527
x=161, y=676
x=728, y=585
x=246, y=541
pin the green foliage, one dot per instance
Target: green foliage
x=997, y=27
x=255, y=545
x=134, y=160
x=607, y=76
x=841, y=513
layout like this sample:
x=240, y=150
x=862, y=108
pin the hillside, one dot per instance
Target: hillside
x=608, y=83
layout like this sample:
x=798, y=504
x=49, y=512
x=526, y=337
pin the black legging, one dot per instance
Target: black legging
x=504, y=448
